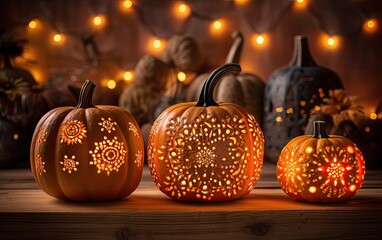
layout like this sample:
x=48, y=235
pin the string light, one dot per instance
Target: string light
x=183, y=9
x=32, y=24
x=217, y=25
x=181, y=76
x=370, y=25
x=128, y=76
x=15, y=136
x=300, y=3
x=57, y=38
x=260, y=39
x=241, y=2
x=127, y=4
x=373, y=116
x=157, y=43
x=111, y=84
x=98, y=21
x=332, y=41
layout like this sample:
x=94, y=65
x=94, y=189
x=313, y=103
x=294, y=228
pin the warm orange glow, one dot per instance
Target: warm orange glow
x=182, y=9
x=370, y=25
x=241, y=2
x=157, y=43
x=98, y=21
x=300, y=3
x=352, y=188
x=57, y=38
x=181, y=76
x=350, y=149
x=15, y=136
x=259, y=40
x=309, y=150
x=331, y=41
x=312, y=189
x=217, y=24
x=373, y=116
x=111, y=84
x=128, y=76
x=32, y=24
x=127, y=4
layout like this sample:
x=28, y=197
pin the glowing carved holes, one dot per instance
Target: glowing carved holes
x=138, y=158
x=72, y=132
x=39, y=165
x=190, y=156
x=133, y=129
x=41, y=136
x=309, y=150
x=69, y=164
x=108, y=155
x=107, y=125
x=312, y=189
x=352, y=188
x=350, y=149
x=332, y=172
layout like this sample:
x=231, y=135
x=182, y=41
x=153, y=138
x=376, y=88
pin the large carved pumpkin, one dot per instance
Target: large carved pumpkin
x=87, y=153
x=291, y=93
x=204, y=151
x=320, y=167
x=244, y=89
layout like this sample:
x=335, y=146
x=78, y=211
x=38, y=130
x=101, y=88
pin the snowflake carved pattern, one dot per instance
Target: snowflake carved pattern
x=69, y=164
x=72, y=132
x=108, y=155
x=39, y=165
x=205, y=157
x=107, y=125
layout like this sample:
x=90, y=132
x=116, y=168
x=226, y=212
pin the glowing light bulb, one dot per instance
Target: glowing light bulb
x=127, y=4
x=370, y=25
x=98, y=20
x=373, y=116
x=331, y=41
x=217, y=25
x=181, y=76
x=241, y=2
x=15, y=136
x=300, y=1
x=260, y=40
x=183, y=8
x=157, y=43
x=32, y=24
x=57, y=37
x=128, y=76
x=111, y=84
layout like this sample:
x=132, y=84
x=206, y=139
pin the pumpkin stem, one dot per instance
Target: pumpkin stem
x=235, y=50
x=301, y=55
x=319, y=130
x=206, y=95
x=86, y=95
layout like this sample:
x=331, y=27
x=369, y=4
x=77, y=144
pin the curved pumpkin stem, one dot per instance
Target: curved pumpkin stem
x=301, y=55
x=235, y=50
x=206, y=95
x=319, y=130
x=86, y=95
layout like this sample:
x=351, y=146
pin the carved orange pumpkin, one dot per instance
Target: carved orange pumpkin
x=87, y=153
x=321, y=168
x=206, y=152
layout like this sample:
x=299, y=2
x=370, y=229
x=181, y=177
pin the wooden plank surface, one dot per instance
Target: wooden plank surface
x=28, y=213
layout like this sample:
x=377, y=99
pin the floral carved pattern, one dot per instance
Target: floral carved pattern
x=108, y=155
x=72, y=132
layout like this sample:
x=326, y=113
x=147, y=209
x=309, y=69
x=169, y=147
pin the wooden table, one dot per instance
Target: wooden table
x=28, y=213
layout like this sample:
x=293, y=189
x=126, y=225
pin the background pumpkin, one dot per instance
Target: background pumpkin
x=206, y=152
x=244, y=89
x=87, y=153
x=291, y=93
x=320, y=168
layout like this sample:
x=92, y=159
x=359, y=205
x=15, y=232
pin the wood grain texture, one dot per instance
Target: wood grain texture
x=267, y=213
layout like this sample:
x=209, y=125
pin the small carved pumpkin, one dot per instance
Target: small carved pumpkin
x=87, y=153
x=204, y=151
x=320, y=168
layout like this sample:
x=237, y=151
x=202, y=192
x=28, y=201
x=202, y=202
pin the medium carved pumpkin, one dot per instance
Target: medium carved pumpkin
x=87, y=153
x=321, y=168
x=204, y=151
x=244, y=89
x=291, y=93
